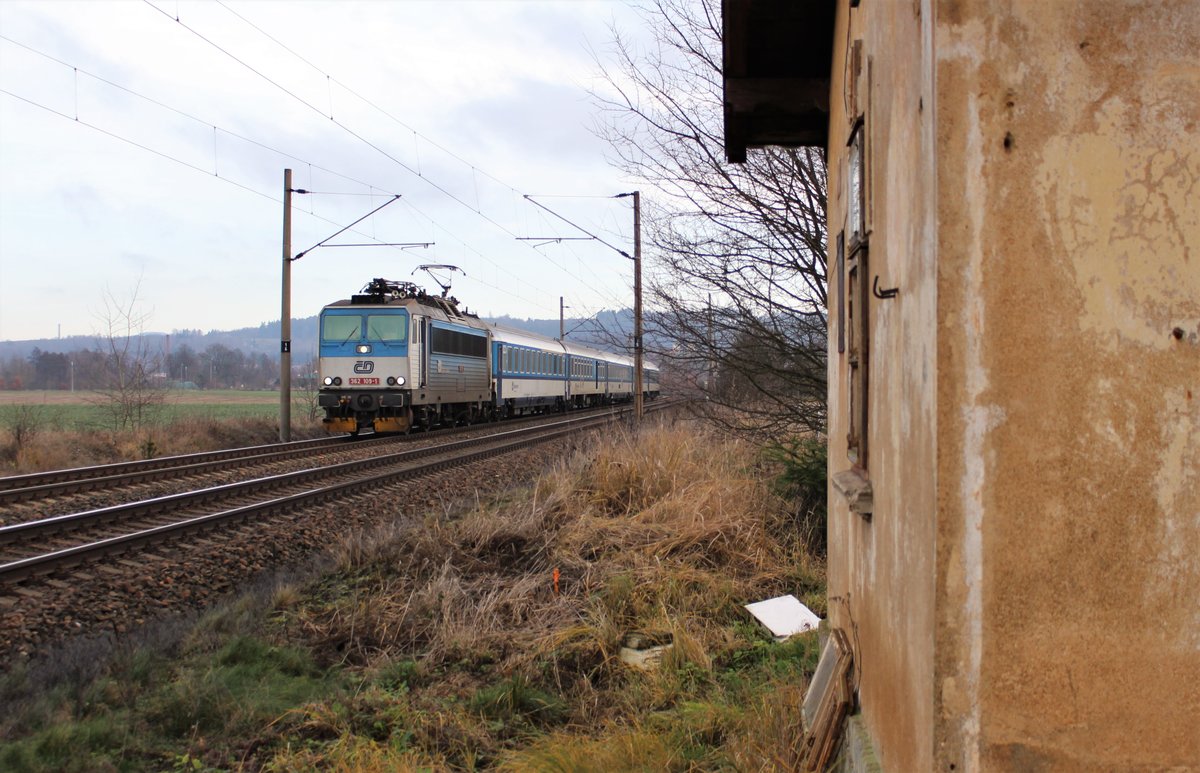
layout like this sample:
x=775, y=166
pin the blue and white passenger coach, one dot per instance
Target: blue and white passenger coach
x=393, y=358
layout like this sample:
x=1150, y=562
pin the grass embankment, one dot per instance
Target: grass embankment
x=444, y=644
x=47, y=430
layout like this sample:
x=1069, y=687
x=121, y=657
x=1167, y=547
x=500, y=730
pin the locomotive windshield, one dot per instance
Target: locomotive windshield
x=388, y=329
x=340, y=328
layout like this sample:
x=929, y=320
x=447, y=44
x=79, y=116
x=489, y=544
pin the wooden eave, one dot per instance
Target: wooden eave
x=777, y=60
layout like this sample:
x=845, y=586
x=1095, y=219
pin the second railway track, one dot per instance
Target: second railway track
x=41, y=486
x=51, y=544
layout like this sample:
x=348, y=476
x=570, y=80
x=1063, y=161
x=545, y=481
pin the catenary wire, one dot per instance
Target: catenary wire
x=240, y=137
x=185, y=114
x=203, y=171
x=243, y=138
x=416, y=133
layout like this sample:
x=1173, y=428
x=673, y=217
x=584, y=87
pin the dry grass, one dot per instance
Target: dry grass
x=671, y=531
x=639, y=532
x=55, y=449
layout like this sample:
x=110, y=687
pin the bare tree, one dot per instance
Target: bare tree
x=736, y=258
x=132, y=388
x=24, y=422
x=306, y=391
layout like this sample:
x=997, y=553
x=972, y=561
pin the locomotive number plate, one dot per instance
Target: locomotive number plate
x=364, y=381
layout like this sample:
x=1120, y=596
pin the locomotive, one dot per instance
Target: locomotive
x=394, y=358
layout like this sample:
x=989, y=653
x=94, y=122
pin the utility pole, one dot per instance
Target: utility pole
x=711, y=377
x=561, y=334
x=637, y=287
x=285, y=317
x=637, y=307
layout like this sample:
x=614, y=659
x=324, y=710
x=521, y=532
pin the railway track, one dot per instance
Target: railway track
x=55, y=483
x=41, y=495
x=53, y=544
x=24, y=488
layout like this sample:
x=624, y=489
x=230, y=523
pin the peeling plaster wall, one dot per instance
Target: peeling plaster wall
x=1068, y=416
x=881, y=573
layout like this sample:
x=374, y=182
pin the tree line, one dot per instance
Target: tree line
x=215, y=367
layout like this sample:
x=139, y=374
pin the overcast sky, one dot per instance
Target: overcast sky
x=465, y=107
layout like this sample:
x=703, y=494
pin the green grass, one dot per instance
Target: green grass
x=85, y=411
x=89, y=417
x=146, y=711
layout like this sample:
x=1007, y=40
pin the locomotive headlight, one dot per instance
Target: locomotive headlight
x=328, y=381
x=363, y=348
x=399, y=380
x=391, y=381
x=337, y=380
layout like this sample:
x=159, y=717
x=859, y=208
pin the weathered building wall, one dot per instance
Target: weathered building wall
x=1068, y=420
x=881, y=572
x=1015, y=556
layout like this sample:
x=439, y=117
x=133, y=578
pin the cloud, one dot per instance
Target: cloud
x=499, y=85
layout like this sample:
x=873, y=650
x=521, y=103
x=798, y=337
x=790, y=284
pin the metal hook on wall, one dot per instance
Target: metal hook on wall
x=883, y=295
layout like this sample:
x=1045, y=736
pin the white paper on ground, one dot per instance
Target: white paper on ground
x=784, y=615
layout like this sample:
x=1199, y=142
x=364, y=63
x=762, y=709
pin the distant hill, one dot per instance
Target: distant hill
x=264, y=339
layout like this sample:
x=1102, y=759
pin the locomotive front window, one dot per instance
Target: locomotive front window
x=387, y=328
x=339, y=328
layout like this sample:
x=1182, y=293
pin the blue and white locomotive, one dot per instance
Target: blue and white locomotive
x=394, y=358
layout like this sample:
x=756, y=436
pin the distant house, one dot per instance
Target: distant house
x=1014, y=349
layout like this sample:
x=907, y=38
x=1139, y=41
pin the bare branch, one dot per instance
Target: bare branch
x=751, y=237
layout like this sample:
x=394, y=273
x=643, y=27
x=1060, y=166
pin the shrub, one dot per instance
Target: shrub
x=803, y=480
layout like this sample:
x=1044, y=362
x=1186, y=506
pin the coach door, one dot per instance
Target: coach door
x=568, y=363
x=424, y=354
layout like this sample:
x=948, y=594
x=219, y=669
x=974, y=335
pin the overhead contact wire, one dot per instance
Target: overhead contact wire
x=416, y=150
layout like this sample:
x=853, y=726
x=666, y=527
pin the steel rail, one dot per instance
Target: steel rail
x=22, y=568
x=115, y=468
x=21, y=488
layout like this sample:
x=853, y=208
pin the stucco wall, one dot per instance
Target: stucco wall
x=881, y=573
x=1068, y=420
